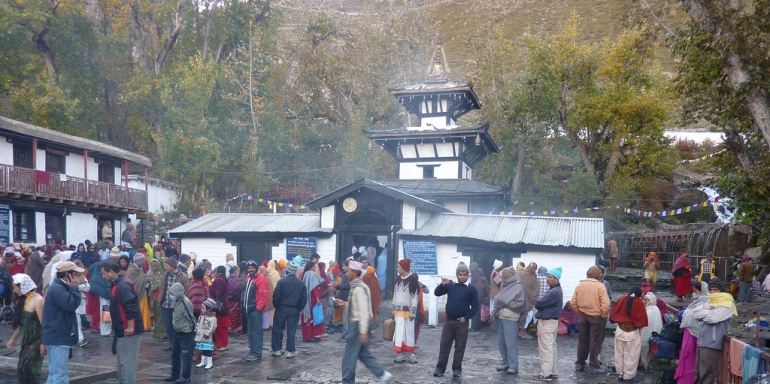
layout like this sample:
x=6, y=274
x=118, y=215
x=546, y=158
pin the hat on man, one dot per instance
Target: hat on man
x=115, y=253
x=497, y=264
x=355, y=265
x=291, y=269
x=183, y=258
x=172, y=261
x=718, y=284
x=66, y=266
x=462, y=268
x=405, y=264
x=555, y=272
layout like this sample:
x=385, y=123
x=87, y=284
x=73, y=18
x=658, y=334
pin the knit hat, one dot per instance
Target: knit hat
x=291, y=269
x=542, y=271
x=497, y=264
x=252, y=263
x=745, y=258
x=601, y=268
x=210, y=304
x=520, y=266
x=198, y=273
x=355, y=265
x=283, y=263
x=474, y=266
x=462, y=268
x=139, y=259
x=24, y=282
x=115, y=253
x=183, y=258
x=555, y=272
x=172, y=261
x=718, y=284
x=405, y=264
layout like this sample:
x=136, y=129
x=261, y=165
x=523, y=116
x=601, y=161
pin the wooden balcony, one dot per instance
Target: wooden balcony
x=18, y=182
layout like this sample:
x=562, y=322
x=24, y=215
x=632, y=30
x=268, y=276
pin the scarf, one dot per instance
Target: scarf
x=722, y=299
x=680, y=262
x=137, y=276
x=156, y=274
x=311, y=280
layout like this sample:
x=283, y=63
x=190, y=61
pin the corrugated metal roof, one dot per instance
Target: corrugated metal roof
x=532, y=230
x=254, y=222
x=440, y=187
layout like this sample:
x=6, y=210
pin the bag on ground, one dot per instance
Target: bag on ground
x=388, y=329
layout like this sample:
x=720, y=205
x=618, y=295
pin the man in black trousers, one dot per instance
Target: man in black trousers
x=289, y=297
x=461, y=305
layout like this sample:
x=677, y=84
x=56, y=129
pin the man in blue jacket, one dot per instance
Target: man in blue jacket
x=462, y=303
x=548, y=313
x=60, y=322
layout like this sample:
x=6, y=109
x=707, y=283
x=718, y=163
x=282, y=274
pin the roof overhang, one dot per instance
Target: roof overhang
x=333, y=196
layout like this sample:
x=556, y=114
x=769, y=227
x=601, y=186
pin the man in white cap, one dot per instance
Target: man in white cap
x=495, y=282
x=462, y=303
x=359, y=314
x=60, y=322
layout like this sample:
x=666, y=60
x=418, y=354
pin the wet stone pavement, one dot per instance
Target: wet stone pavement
x=319, y=362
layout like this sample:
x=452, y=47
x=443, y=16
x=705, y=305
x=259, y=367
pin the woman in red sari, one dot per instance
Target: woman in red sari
x=313, y=286
x=682, y=275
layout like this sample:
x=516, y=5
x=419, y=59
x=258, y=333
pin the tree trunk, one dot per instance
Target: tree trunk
x=521, y=152
x=735, y=141
x=45, y=51
x=207, y=34
x=612, y=162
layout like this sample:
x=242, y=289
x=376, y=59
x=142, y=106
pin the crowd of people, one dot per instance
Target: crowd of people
x=122, y=292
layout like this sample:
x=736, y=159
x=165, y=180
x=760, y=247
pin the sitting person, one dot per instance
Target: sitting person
x=570, y=318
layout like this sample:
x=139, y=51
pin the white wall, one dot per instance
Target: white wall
x=74, y=165
x=444, y=169
x=422, y=217
x=40, y=160
x=40, y=228
x=574, y=267
x=447, y=259
x=325, y=247
x=457, y=206
x=408, y=212
x=159, y=197
x=327, y=216
x=80, y=227
x=445, y=149
x=93, y=169
x=119, y=176
x=214, y=250
x=6, y=152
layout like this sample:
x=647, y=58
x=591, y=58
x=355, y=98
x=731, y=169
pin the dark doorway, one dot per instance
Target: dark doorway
x=55, y=163
x=55, y=227
x=258, y=250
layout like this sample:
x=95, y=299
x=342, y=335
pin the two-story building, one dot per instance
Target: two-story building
x=59, y=186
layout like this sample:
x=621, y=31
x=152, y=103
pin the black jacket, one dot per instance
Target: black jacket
x=124, y=306
x=290, y=293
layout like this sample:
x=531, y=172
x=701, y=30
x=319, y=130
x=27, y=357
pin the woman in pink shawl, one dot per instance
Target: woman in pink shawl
x=570, y=318
x=682, y=275
x=324, y=292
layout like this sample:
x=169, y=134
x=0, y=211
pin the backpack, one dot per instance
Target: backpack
x=672, y=332
x=661, y=348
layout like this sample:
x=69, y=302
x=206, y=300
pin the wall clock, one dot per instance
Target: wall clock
x=349, y=205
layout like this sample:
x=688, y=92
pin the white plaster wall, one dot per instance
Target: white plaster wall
x=119, y=176
x=574, y=267
x=325, y=247
x=6, y=152
x=408, y=212
x=40, y=160
x=408, y=152
x=74, y=165
x=40, y=228
x=444, y=170
x=425, y=150
x=447, y=259
x=93, y=169
x=214, y=250
x=437, y=121
x=444, y=149
x=422, y=217
x=457, y=206
x=159, y=198
x=80, y=227
x=327, y=217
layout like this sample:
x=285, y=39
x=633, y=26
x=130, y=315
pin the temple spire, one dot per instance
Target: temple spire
x=438, y=67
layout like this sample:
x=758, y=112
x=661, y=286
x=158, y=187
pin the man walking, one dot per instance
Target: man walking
x=171, y=277
x=405, y=303
x=591, y=302
x=745, y=278
x=359, y=314
x=127, y=322
x=461, y=305
x=60, y=322
x=289, y=297
x=254, y=301
x=548, y=312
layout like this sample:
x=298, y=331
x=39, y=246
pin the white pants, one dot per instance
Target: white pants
x=403, y=336
x=104, y=327
x=546, y=343
x=628, y=345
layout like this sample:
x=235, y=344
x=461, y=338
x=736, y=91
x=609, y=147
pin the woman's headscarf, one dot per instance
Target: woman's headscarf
x=24, y=282
x=156, y=274
x=542, y=271
x=206, y=265
x=682, y=261
x=148, y=250
x=272, y=274
x=654, y=319
x=137, y=276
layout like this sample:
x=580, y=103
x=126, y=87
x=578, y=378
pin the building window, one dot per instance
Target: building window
x=55, y=163
x=22, y=155
x=107, y=173
x=55, y=228
x=427, y=172
x=24, y=226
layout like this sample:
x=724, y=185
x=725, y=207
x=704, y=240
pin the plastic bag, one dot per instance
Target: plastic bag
x=562, y=329
x=484, y=312
x=318, y=314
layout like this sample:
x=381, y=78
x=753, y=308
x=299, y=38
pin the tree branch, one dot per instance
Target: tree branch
x=137, y=40
x=172, y=33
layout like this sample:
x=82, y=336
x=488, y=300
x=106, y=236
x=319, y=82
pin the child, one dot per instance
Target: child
x=570, y=318
x=207, y=323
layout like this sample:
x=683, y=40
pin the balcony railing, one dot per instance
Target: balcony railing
x=23, y=182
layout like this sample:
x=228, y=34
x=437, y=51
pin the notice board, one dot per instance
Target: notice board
x=423, y=256
x=5, y=224
x=302, y=246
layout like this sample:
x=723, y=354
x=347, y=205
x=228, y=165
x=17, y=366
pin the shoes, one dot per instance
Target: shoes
x=223, y=348
x=343, y=339
x=510, y=371
x=83, y=343
x=579, y=368
x=400, y=358
x=502, y=367
x=209, y=362
x=526, y=337
x=555, y=377
x=386, y=376
x=412, y=358
x=244, y=336
x=438, y=373
x=542, y=378
x=203, y=362
x=456, y=373
x=108, y=335
x=182, y=380
x=277, y=353
x=253, y=358
x=597, y=371
x=170, y=378
x=167, y=348
x=291, y=354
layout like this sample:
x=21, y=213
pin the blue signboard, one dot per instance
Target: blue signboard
x=302, y=246
x=423, y=256
x=5, y=225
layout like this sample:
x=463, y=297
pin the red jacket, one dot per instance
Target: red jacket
x=198, y=293
x=255, y=293
x=638, y=314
